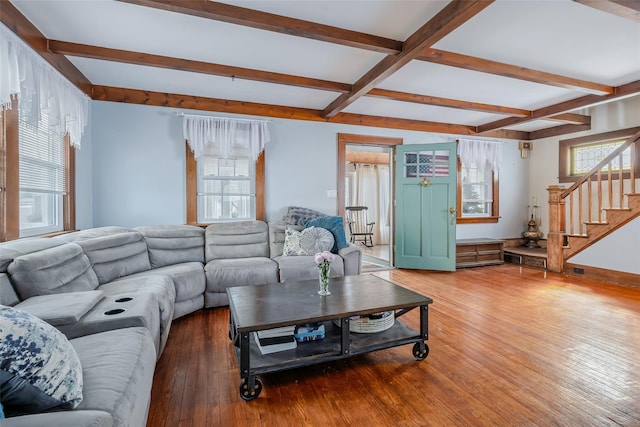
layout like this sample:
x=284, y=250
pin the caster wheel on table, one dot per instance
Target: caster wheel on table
x=418, y=354
x=250, y=393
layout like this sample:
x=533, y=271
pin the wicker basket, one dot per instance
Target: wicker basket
x=372, y=323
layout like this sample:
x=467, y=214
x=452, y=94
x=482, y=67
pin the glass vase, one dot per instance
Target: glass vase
x=324, y=281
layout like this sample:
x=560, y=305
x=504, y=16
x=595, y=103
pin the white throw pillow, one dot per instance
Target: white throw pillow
x=306, y=242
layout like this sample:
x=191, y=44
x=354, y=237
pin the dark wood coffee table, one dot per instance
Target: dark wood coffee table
x=254, y=308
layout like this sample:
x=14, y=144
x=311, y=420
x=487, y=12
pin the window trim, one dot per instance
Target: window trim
x=192, y=187
x=495, y=205
x=565, y=146
x=10, y=183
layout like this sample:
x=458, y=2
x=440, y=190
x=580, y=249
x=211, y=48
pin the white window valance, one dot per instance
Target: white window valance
x=477, y=152
x=225, y=137
x=25, y=75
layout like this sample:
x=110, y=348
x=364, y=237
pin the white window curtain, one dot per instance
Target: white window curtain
x=39, y=88
x=372, y=191
x=225, y=137
x=474, y=152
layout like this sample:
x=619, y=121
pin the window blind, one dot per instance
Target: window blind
x=41, y=154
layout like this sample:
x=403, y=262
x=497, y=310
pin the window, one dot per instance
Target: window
x=38, y=194
x=41, y=172
x=226, y=189
x=477, y=194
x=578, y=156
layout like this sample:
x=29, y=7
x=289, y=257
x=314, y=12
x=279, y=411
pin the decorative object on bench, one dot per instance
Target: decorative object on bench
x=324, y=260
x=40, y=369
x=360, y=229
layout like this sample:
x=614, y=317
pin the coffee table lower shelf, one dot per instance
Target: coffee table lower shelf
x=339, y=343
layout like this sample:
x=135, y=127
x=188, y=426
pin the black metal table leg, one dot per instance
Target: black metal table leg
x=344, y=335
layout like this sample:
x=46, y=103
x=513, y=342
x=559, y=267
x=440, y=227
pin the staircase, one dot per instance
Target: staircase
x=599, y=203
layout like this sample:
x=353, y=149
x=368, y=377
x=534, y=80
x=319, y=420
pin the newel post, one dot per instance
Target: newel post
x=555, y=237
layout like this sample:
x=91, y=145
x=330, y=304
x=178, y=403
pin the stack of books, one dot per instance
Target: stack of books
x=277, y=339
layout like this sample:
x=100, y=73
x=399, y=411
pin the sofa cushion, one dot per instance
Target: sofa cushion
x=188, y=278
x=55, y=270
x=40, y=370
x=90, y=233
x=160, y=285
x=116, y=255
x=118, y=370
x=242, y=239
x=61, y=309
x=294, y=268
x=306, y=242
x=15, y=248
x=224, y=273
x=63, y=419
x=335, y=225
x=173, y=244
x=8, y=295
x=296, y=215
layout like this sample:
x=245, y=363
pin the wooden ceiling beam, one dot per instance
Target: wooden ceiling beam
x=446, y=102
x=627, y=9
x=452, y=16
x=23, y=28
x=506, y=70
x=277, y=23
x=624, y=91
x=301, y=28
x=570, y=118
x=143, y=97
x=138, y=58
x=558, y=130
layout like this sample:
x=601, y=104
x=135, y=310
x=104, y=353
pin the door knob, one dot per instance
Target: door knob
x=452, y=211
x=425, y=182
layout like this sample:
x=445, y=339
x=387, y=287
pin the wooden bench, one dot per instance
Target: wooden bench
x=479, y=252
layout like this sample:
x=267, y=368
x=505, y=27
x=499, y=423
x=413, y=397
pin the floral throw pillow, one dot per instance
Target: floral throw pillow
x=306, y=242
x=39, y=369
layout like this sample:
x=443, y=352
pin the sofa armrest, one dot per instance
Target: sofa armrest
x=61, y=309
x=76, y=418
x=352, y=256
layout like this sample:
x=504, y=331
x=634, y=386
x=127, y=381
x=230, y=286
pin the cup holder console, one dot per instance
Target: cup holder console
x=124, y=299
x=114, y=311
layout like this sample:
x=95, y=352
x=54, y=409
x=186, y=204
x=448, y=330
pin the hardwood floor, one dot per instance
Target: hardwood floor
x=510, y=346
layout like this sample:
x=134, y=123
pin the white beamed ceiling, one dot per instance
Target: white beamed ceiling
x=554, y=36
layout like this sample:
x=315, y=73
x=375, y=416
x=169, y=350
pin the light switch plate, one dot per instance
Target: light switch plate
x=332, y=193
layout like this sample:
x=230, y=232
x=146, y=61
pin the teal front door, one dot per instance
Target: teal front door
x=425, y=206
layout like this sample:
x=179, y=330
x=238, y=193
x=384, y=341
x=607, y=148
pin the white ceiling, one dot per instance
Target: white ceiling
x=555, y=36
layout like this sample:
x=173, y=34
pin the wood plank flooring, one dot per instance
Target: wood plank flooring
x=510, y=346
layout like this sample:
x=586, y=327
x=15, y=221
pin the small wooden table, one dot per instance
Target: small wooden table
x=254, y=308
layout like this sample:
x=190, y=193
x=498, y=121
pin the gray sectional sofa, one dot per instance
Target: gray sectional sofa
x=114, y=293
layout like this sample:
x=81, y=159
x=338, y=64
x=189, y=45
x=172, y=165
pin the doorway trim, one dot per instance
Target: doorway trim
x=348, y=138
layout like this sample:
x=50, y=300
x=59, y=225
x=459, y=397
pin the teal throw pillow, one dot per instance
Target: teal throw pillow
x=334, y=225
x=40, y=370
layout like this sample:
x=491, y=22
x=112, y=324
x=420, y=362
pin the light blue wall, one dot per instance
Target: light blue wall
x=139, y=168
x=84, y=179
x=138, y=165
